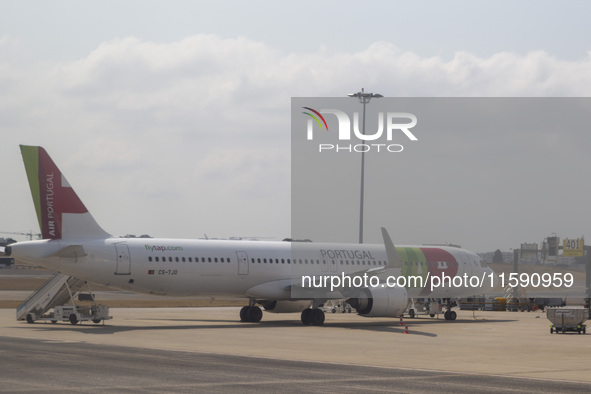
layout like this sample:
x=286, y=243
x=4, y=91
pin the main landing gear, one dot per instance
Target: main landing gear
x=251, y=314
x=310, y=316
x=313, y=317
x=450, y=315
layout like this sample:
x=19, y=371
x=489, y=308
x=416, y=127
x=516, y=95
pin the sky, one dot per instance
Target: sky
x=173, y=118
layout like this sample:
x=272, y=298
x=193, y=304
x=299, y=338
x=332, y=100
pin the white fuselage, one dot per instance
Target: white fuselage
x=254, y=269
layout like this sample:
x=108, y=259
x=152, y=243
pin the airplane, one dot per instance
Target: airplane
x=271, y=274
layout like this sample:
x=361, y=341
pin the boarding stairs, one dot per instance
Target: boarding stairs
x=514, y=304
x=58, y=290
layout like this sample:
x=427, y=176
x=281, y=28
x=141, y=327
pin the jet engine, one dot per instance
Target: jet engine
x=380, y=302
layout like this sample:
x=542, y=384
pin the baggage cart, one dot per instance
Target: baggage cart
x=565, y=319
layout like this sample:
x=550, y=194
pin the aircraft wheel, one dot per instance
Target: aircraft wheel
x=244, y=314
x=73, y=319
x=432, y=315
x=453, y=315
x=411, y=313
x=255, y=314
x=307, y=316
x=446, y=315
x=317, y=317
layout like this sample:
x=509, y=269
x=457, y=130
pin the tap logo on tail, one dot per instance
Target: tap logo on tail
x=52, y=194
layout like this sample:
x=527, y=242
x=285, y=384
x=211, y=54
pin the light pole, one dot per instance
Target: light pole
x=364, y=98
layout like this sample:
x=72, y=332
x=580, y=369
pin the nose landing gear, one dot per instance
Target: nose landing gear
x=450, y=315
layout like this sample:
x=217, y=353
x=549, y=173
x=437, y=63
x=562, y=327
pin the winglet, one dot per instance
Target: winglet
x=60, y=212
x=394, y=260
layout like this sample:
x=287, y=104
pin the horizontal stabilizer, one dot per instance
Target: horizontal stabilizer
x=69, y=252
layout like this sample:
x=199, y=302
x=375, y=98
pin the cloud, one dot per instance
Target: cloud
x=203, y=122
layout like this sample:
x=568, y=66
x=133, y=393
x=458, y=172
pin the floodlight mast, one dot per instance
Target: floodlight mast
x=364, y=98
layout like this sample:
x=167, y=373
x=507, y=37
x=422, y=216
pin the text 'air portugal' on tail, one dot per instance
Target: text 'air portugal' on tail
x=60, y=212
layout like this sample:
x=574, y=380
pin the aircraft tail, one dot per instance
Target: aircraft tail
x=60, y=212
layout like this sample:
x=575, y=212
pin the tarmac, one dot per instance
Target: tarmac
x=479, y=352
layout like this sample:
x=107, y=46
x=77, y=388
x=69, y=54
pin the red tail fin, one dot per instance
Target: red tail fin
x=60, y=212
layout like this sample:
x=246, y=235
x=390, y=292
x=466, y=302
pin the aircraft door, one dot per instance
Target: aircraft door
x=123, y=260
x=242, y=263
x=466, y=264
